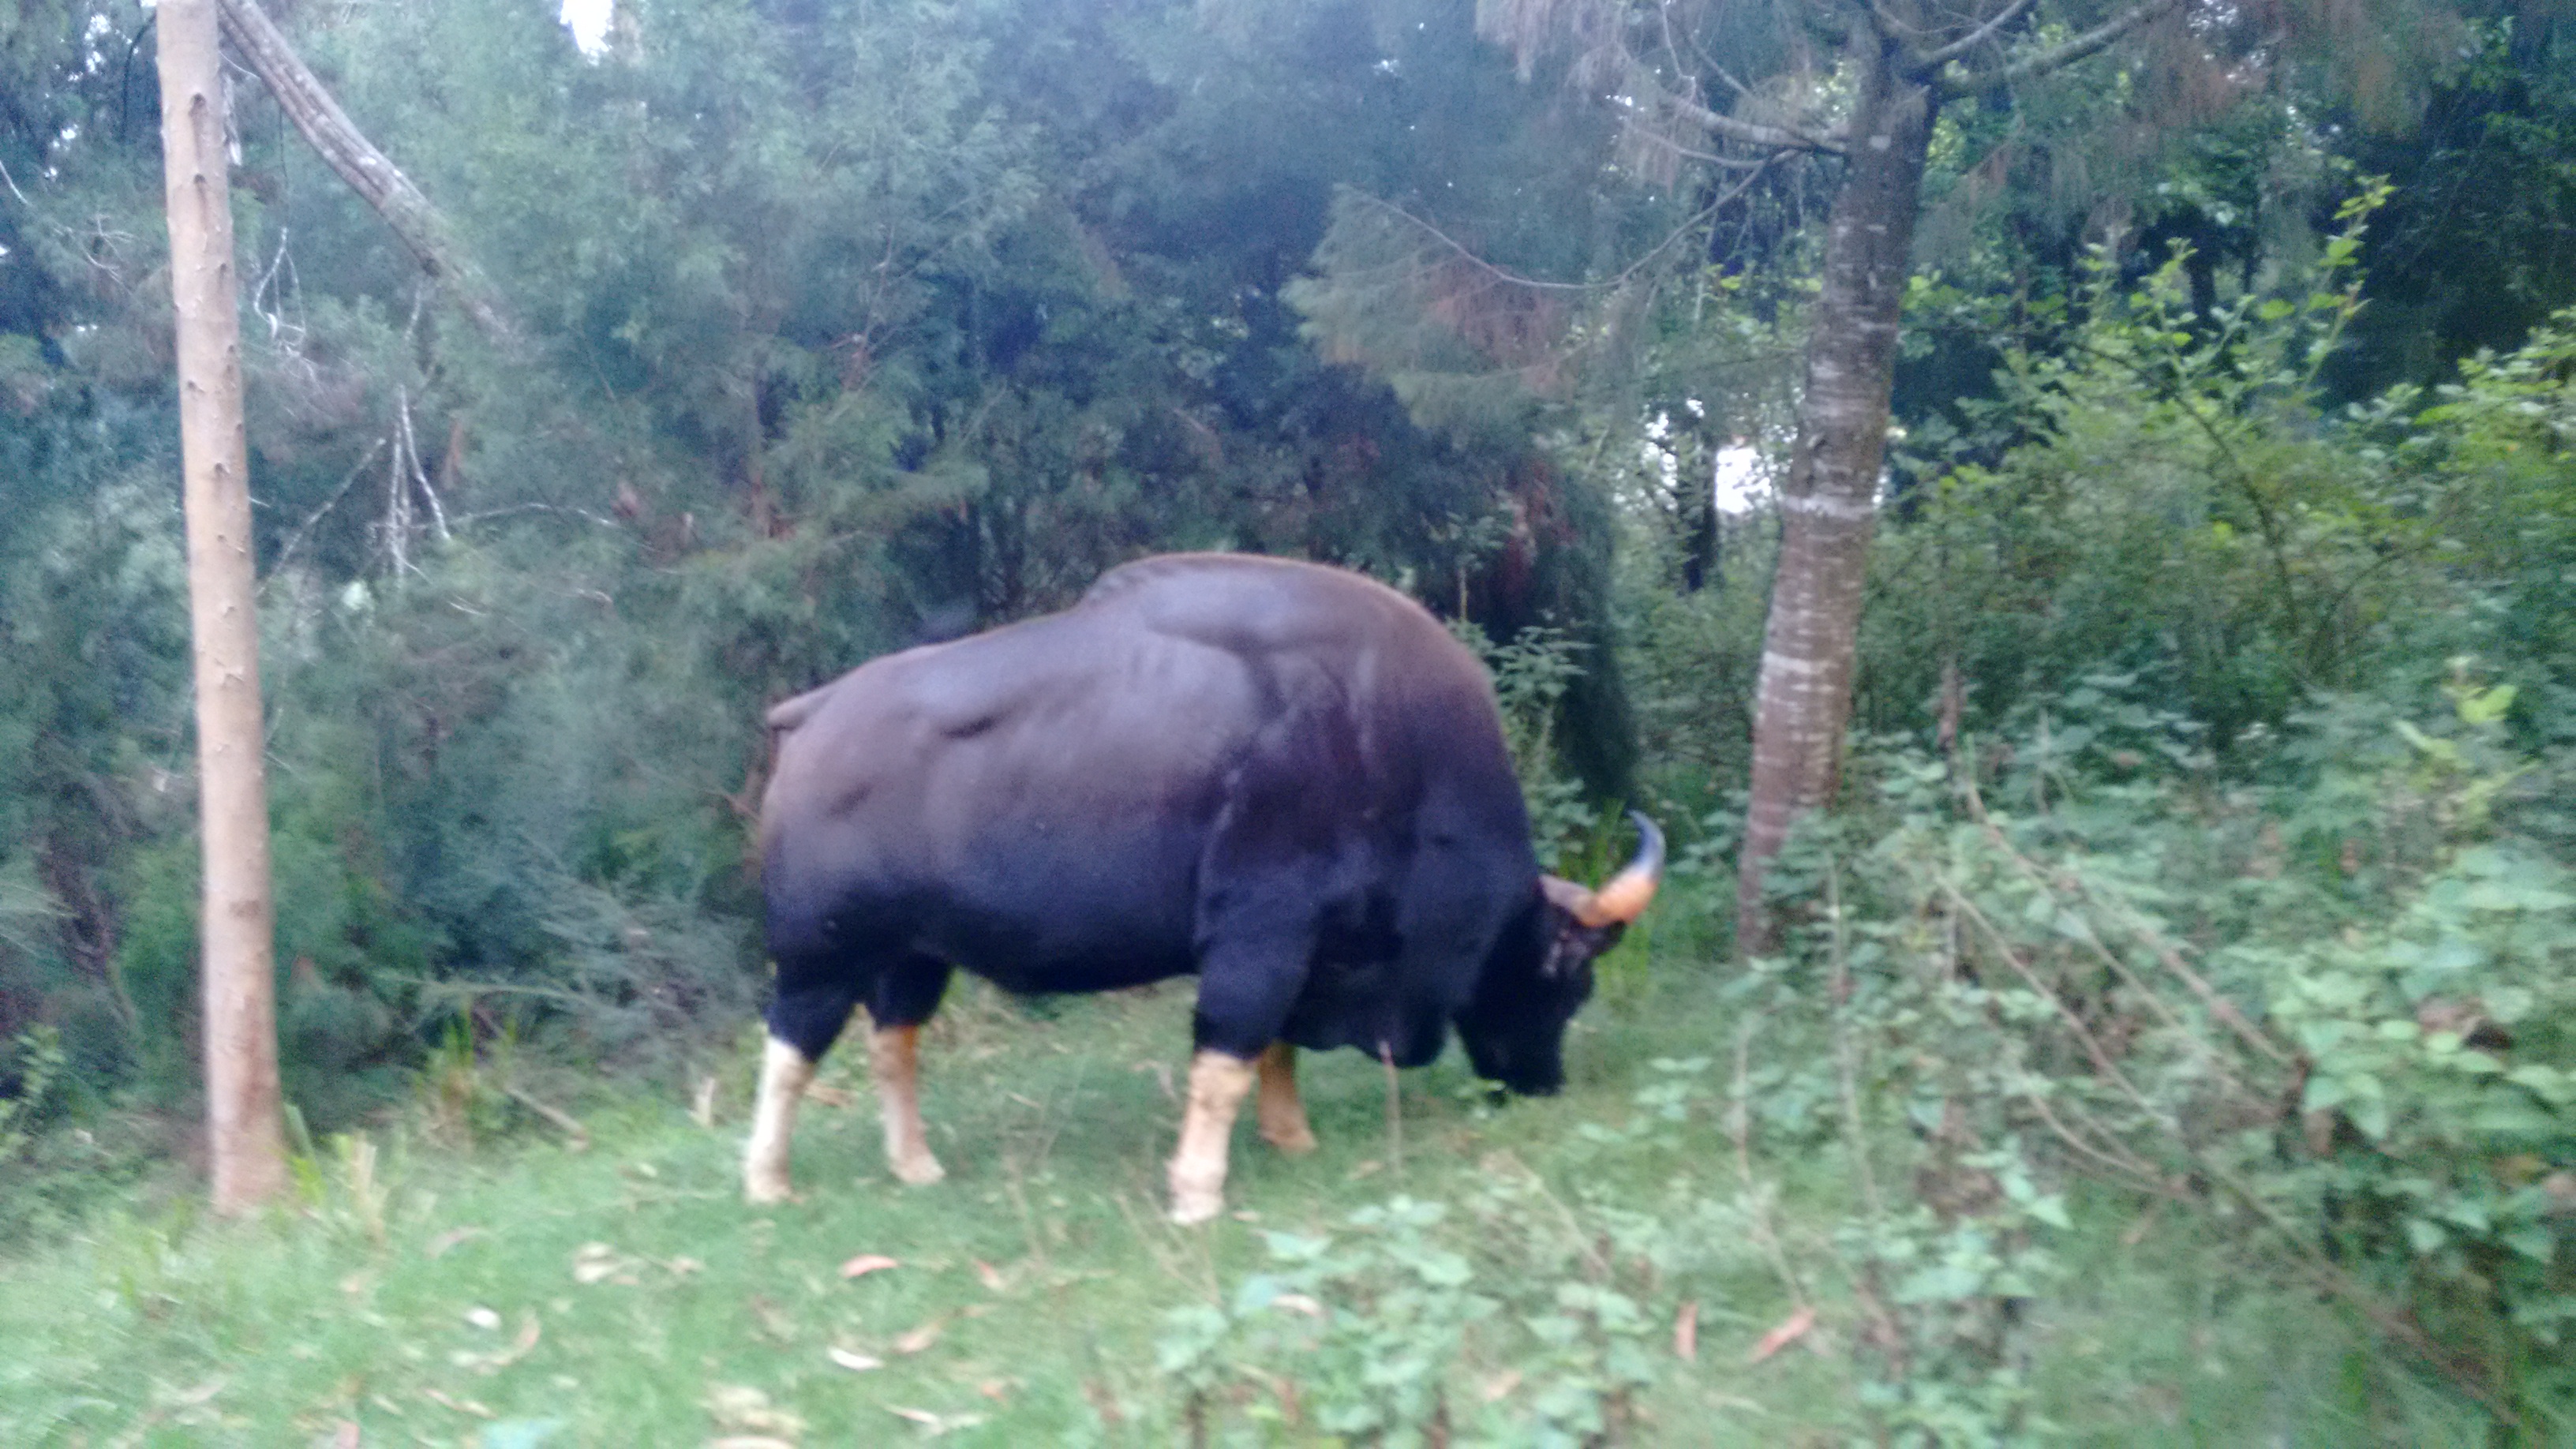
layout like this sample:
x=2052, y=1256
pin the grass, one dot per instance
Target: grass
x=527, y=1293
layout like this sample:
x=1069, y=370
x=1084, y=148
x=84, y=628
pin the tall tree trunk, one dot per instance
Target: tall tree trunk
x=1828, y=501
x=240, y=988
x=378, y=182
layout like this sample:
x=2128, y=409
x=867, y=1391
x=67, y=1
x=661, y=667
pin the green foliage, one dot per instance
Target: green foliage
x=2181, y=511
x=1367, y=1333
x=2324, y=1011
x=2440, y=1045
x=2477, y=248
x=1531, y=672
x=35, y=1067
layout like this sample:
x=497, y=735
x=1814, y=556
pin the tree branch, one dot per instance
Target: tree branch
x=1751, y=133
x=2060, y=56
x=378, y=182
x=1964, y=45
x=1515, y=279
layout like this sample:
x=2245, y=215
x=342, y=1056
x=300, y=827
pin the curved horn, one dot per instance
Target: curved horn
x=1623, y=898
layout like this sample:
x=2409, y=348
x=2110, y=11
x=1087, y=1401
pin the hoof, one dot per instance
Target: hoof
x=920, y=1171
x=1295, y=1141
x=1196, y=1197
x=765, y=1191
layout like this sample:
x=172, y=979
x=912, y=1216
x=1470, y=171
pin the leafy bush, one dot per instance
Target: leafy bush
x=1395, y=1331
x=2175, y=507
x=32, y=1069
x=1531, y=672
x=2327, y=1010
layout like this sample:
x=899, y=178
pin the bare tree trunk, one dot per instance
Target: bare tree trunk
x=378, y=182
x=239, y=975
x=1828, y=501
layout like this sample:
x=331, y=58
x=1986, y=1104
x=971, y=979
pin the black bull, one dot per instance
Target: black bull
x=1285, y=778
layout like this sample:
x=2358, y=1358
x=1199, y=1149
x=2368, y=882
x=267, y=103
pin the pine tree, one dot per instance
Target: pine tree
x=246, y=1134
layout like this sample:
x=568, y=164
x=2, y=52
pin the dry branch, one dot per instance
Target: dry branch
x=378, y=182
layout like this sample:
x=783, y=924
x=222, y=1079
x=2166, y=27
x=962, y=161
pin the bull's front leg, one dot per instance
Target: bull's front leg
x=894, y=1062
x=1251, y=973
x=785, y=1072
x=1218, y=1082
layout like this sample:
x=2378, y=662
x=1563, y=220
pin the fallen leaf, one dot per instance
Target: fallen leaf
x=504, y=1357
x=1298, y=1303
x=749, y=1441
x=739, y=1406
x=202, y=1393
x=866, y=1263
x=726, y=1401
x=529, y=1332
x=462, y=1406
x=991, y=1276
x=853, y=1360
x=1790, y=1331
x=483, y=1318
x=772, y=1322
x=445, y=1243
x=683, y=1267
x=1686, y=1332
x=996, y=1389
x=1493, y=1389
x=920, y=1338
x=937, y=1424
x=592, y=1262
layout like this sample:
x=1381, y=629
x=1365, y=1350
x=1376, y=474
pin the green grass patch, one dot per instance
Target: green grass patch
x=528, y=1292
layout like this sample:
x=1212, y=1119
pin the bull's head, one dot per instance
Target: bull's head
x=1514, y=1028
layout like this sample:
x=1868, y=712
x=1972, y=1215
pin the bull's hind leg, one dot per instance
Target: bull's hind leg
x=1283, y=1112
x=894, y=1061
x=802, y=1025
x=905, y=997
